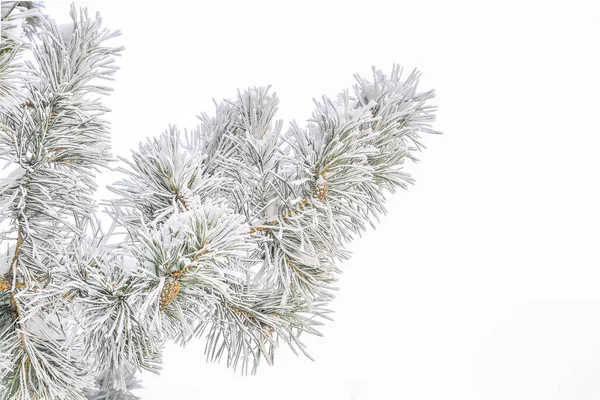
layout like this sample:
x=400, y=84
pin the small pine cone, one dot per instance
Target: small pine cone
x=186, y=196
x=322, y=188
x=168, y=294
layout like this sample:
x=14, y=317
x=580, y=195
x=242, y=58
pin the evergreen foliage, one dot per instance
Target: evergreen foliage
x=233, y=231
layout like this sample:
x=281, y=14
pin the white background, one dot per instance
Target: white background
x=482, y=281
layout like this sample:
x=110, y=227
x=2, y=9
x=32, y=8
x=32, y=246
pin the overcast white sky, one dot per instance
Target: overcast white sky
x=482, y=281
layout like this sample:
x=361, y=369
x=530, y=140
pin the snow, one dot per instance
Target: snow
x=13, y=27
x=66, y=31
x=5, y=258
x=16, y=174
x=271, y=211
x=308, y=259
x=129, y=263
x=177, y=221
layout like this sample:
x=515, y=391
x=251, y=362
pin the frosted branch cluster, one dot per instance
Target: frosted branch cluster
x=232, y=232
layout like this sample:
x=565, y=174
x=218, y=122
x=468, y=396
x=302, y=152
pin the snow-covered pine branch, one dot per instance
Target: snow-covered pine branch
x=54, y=141
x=104, y=388
x=232, y=232
x=17, y=20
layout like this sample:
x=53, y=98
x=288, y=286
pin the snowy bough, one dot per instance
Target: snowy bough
x=232, y=232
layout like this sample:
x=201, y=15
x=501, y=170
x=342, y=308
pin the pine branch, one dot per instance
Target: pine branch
x=57, y=140
x=232, y=232
x=104, y=386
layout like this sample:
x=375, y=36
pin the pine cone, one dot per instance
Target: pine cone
x=322, y=188
x=168, y=294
